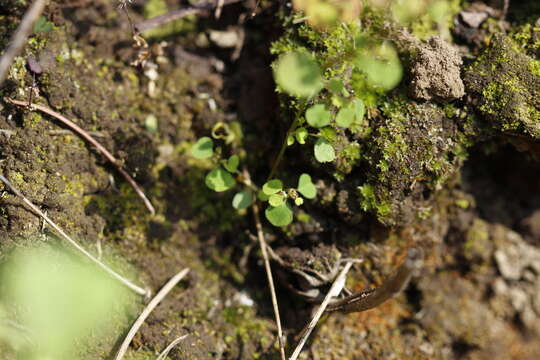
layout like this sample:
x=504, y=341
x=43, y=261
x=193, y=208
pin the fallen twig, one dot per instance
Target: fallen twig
x=82, y=133
x=20, y=36
x=61, y=232
x=147, y=310
x=268, y=269
x=169, y=347
x=336, y=288
x=198, y=8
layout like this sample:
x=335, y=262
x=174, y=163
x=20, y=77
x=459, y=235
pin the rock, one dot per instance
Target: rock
x=436, y=72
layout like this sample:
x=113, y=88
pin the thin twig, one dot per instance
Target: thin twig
x=219, y=8
x=72, y=242
x=268, y=269
x=147, y=310
x=198, y=8
x=336, y=288
x=165, y=352
x=19, y=38
x=82, y=133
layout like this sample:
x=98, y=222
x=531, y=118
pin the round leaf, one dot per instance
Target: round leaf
x=272, y=187
x=242, y=200
x=219, y=180
x=317, y=116
x=345, y=116
x=232, y=163
x=324, y=152
x=382, y=66
x=298, y=74
x=203, y=148
x=276, y=200
x=279, y=216
x=306, y=187
x=301, y=135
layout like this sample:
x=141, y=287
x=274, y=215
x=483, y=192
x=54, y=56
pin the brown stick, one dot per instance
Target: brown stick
x=198, y=8
x=82, y=133
x=267, y=267
x=72, y=242
x=20, y=36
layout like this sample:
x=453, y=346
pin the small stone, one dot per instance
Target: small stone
x=473, y=19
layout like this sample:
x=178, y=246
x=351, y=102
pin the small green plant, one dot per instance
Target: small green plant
x=226, y=175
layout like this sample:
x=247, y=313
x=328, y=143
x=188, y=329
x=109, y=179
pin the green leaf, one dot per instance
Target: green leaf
x=242, y=199
x=203, y=148
x=232, y=163
x=42, y=25
x=324, y=152
x=219, y=180
x=336, y=86
x=301, y=135
x=262, y=196
x=382, y=66
x=306, y=187
x=276, y=199
x=298, y=74
x=272, y=187
x=359, y=109
x=345, y=116
x=317, y=116
x=279, y=216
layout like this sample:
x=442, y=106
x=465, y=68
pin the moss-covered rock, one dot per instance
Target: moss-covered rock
x=504, y=83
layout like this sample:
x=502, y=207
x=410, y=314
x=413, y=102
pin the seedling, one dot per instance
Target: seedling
x=226, y=176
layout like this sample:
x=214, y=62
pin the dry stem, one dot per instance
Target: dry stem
x=82, y=133
x=61, y=232
x=147, y=310
x=334, y=291
x=262, y=243
x=20, y=36
x=198, y=8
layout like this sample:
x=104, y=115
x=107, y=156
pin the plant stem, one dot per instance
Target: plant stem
x=284, y=145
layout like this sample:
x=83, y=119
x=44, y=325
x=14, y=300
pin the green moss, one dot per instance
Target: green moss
x=506, y=82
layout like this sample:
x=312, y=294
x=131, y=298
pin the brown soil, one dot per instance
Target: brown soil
x=471, y=301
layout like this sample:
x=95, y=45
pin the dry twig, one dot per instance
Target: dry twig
x=147, y=310
x=82, y=133
x=336, y=288
x=169, y=347
x=201, y=7
x=20, y=36
x=268, y=269
x=72, y=242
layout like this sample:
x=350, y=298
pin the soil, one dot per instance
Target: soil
x=477, y=295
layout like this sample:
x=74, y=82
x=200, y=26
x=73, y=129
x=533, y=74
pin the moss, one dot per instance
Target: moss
x=506, y=84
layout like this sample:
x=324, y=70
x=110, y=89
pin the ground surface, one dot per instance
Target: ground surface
x=477, y=296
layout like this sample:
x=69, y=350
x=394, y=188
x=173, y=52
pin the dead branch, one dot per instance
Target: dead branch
x=72, y=242
x=147, y=310
x=199, y=8
x=82, y=133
